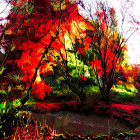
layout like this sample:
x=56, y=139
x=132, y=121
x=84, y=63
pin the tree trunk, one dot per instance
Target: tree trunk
x=24, y=99
x=82, y=97
x=105, y=96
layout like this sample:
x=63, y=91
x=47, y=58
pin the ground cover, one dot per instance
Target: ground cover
x=127, y=114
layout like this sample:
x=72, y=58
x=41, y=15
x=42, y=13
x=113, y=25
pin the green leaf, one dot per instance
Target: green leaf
x=16, y=103
x=30, y=9
x=1, y=106
x=3, y=92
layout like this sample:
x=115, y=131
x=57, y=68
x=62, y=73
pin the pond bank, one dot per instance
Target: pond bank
x=79, y=124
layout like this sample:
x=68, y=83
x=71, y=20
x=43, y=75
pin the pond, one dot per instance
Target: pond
x=79, y=124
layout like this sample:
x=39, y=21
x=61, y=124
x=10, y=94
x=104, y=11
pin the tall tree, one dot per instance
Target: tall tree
x=107, y=47
x=100, y=46
x=35, y=31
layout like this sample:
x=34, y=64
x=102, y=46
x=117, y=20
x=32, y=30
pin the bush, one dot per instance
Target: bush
x=8, y=119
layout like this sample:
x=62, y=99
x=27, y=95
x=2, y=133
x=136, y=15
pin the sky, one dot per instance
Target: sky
x=133, y=9
x=4, y=9
x=134, y=41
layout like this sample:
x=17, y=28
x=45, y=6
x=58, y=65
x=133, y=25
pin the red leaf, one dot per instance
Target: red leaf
x=39, y=89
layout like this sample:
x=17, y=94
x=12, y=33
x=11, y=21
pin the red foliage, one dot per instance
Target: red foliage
x=72, y=105
x=97, y=65
x=80, y=50
x=127, y=108
x=88, y=43
x=34, y=36
x=83, y=78
x=112, y=11
x=49, y=106
x=39, y=89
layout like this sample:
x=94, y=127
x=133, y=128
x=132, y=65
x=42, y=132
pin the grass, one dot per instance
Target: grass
x=29, y=129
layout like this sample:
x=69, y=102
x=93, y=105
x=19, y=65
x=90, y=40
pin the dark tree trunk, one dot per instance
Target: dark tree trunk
x=81, y=95
x=105, y=96
x=82, y=98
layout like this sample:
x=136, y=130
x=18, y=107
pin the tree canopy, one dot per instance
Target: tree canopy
x=40, y=36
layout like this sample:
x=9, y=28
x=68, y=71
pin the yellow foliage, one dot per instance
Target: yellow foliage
x=19, y=87
x=9, y=88
x=78, y=29
x=82, y=25
x=115, y=35
x=8, y=32
x=128, y=86
x=130, y=67
x=56, y=5
x=38, y=78
x=130, y=79
x=103, y=42
x=1, y=70
x=13, y=47
x=108, y=32
x=109, y=42
x=68, y=42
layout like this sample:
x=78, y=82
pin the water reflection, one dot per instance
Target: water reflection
x=67, y=122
